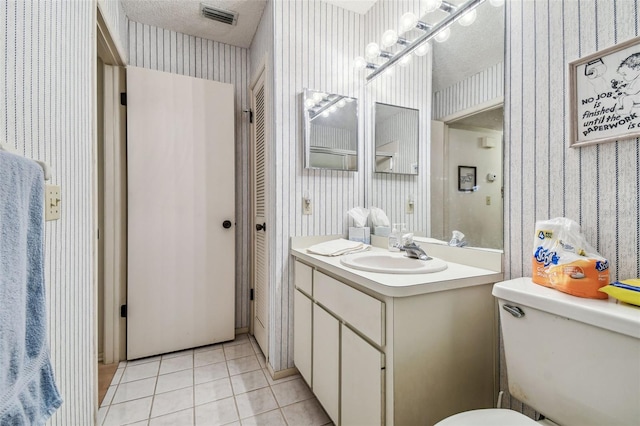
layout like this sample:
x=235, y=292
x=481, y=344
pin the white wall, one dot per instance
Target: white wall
x=47, y=82
x=468, y=212
x=598, y=186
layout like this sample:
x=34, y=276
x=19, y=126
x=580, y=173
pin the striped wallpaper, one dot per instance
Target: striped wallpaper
x=165, y=50
x=597, y=186
x=46, y=78
x=481, y=87
x=332, y=137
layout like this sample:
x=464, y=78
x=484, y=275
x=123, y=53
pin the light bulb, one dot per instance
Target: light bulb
x=408, y=21
x=443, y=35
x=468, y=18
x=341, y=103
x=360, y=63
x=317, y=97
x=496, y=3
x=333, y=108
x=372, y=50
x=309, y=103
x=325, y=114
x=432, y=5
x=423, y=49
x=389, y=38
x=349, y=99
x=406, y=60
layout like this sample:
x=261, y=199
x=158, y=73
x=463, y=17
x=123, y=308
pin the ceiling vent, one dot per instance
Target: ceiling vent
x=220, y=15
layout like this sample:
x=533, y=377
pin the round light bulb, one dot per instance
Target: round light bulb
x=309, y=103
x=325, y=114
x=333, y=108
x=349, y=99
x=443, y=35
x=423, y=49
x=432, y=5
x=317, y=97
x=360, y=63
x=496, y=3
x=389, y=38
x=468, y=18
x=406, y=60
x=372, y=50
x=341, y=103
x=408, y=21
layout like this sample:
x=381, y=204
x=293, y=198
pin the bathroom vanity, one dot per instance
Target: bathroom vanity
x=381, y=348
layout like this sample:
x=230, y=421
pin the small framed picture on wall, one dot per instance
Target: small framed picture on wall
x=466, y=178
x=604, y=96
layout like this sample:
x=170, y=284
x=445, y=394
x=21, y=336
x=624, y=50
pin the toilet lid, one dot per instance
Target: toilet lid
x=491, y=416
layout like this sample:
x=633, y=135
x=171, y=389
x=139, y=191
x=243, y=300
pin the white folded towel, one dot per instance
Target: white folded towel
x=338, y=247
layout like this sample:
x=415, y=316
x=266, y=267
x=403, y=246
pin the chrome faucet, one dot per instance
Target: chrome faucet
x=413, y=251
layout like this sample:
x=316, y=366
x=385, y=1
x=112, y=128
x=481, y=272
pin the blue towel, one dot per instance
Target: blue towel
x=28, y=393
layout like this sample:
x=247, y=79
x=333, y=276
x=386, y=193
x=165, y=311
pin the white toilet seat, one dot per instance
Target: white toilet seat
x=488, y=417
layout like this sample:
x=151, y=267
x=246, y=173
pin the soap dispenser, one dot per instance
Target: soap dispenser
x=395, y=237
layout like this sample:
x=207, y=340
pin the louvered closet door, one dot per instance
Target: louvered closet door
x=260, y=268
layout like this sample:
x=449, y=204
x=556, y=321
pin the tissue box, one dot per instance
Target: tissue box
x=382, y=231
x=362, y=235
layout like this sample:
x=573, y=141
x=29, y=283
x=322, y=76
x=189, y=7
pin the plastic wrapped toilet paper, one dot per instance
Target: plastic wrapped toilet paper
x=359, y=216
x=378, y=217
x=457, y=239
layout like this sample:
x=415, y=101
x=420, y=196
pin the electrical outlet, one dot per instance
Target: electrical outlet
x=409, y=209
x=488, y=200
x=52, y=202
x=306, y=206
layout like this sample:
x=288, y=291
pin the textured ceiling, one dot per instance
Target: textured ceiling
x=469, y=49
x=184, y=16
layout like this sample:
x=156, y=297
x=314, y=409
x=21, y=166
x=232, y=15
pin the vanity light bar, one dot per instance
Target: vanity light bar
x=428, y=35
x=314, y=114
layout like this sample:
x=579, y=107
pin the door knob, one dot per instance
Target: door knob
x=262, y=227
x=226, y=224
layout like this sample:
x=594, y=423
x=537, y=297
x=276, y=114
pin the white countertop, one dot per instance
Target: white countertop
x=402, y=285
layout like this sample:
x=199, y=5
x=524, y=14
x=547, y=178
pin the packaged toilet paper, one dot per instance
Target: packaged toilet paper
x=563, y=260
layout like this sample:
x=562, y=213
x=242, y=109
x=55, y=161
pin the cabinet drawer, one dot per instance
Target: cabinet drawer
x=303, y=277
x=361, y=311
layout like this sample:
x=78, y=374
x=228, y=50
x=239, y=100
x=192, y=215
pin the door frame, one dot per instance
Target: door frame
x=113, y=165
x=261, y=69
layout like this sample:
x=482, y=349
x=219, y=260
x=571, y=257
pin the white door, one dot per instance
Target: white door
x=181, y=192
x=260, y=258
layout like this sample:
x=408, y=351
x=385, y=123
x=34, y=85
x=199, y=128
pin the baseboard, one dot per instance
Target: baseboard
x=275, y=375
x=243, y=330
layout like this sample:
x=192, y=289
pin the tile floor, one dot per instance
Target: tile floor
x=213, y=385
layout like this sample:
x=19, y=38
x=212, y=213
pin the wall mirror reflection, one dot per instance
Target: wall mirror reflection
x=468, y=97
x=396, y=139
x=330, y=131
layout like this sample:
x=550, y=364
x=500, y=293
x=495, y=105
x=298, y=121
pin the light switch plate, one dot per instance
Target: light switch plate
x=52, y=202
x=409, y=207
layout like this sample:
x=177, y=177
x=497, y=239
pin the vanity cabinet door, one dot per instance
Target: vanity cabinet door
x=302, y=311
x=326, y=361
x=362, y=385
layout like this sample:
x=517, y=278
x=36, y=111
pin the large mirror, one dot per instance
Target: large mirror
x=468, y=87
x=396, y=139
x=330, y=131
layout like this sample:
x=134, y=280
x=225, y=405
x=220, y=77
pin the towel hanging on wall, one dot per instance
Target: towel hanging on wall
x=45, y=167
x=28, y=393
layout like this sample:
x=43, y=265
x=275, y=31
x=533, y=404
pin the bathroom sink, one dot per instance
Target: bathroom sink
x=392, y=263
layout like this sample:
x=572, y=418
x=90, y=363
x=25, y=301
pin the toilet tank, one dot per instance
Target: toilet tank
x=575, y=360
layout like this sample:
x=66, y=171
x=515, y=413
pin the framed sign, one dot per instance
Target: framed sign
x=466, y=178
x=605, y=95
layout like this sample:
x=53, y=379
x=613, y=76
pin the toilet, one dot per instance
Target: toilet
x=575, y=360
